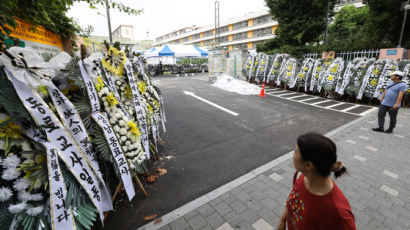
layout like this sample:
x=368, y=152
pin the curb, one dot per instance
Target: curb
x=183, y=210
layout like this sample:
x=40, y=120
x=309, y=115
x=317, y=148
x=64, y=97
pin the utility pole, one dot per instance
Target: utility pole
x=216, y=24
x=406, y=8
x=109, y=21
x=327, y=22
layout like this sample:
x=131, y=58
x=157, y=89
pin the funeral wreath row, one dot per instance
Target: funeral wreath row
x=66, y=127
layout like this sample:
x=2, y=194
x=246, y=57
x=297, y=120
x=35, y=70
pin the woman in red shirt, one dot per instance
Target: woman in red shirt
x=315, y=201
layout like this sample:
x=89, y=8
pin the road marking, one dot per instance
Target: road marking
x=303, y=95
x=331, y=106
x=370, y=122
x=389, y=190
x=352, y=107
x=390, y=174
x=368, y=111
x=364, y=137
x=280, y=95
x=276, y=177
x=398, y=135
x=279, y=92
x=211, y=103
x=351, y=142
x=308, y=99
x=319, y=102
x=363, y=128
x=371, y=148
x=357, y=157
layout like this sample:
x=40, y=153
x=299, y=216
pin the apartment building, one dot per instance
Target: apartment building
x=124, y=31
x=243, y=33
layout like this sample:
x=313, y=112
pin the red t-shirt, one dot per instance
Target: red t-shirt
x=307, y=211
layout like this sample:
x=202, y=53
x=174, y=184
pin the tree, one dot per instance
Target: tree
x=386, y=20
x=48, y=13
x=350, y=29
x=299, y=22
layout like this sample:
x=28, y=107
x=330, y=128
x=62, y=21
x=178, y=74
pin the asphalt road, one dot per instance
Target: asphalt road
x=206, y=147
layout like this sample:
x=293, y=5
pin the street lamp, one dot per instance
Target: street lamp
x=406, y=8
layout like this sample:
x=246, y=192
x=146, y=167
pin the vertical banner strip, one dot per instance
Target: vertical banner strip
x=58, y=136
x=142, y=121
x=61, y=216
x=112, y=140
x=72, y=121
x=118, y=154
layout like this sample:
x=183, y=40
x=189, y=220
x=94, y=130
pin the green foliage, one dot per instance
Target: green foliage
x=10, y=100
x=299, y=22
x=349, y=29
x=385, y=23
x=51, y=14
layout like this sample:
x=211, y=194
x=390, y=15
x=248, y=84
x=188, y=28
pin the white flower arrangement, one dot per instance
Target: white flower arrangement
x=358, y=75
x=26, y=196
x=302, y=78
x=11, y=174
x=21, y=184
x=5, y=194
x=11, y=161
x=332, y=74
x=389, y=68
x=17, y=208
x=288, y=73
x=374, y=72
x=34, y=211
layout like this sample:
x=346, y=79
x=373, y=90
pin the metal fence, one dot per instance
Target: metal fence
x=312, y=55
x=350, y=55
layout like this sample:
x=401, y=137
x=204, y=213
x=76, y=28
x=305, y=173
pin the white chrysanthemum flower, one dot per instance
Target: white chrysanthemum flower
x=106, y=105
x=128, y=143
x=112, y=120
x=122, y=123
x=25, y=146
x=11, y=161
x=26, y=196
x=16, y=208
x=104, y=90
x=122, y=88
x=123, y=138
x=10, y=174
x=116, y=128
x=124, y=148
x=5, y=194
x=35, y=211
x=21, y=184
x=123, y=131
x=118, y=115
x=118, y=82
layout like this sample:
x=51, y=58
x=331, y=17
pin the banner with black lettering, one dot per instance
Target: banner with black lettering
x=110, y=137
x=61, y=215
x=117, y=153
x=142, y=121
x=60, y=139
x=72, y=121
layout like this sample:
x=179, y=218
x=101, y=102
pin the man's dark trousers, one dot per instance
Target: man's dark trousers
x=392, y=114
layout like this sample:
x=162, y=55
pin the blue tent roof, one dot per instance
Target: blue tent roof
x=203, y=53
x=166, y=51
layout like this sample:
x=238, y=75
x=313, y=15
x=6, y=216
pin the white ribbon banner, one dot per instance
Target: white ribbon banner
x=117, y=153
x=62, y=216
x=112, y=140
x=75, y=126
x=142, y=121
x=365, y=82
x=58, y=136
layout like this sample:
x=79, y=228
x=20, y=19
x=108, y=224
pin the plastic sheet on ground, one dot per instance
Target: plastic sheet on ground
x=235, y=85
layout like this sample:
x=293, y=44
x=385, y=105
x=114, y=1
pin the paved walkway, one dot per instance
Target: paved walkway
x=377, y=186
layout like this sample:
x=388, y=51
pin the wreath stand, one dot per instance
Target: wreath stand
x=119, y=187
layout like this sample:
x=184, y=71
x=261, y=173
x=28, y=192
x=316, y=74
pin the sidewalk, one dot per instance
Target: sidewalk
x=377, y=185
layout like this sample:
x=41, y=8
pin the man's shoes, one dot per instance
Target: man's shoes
x=378, y=129
x=389, y=131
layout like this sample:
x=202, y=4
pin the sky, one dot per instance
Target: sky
x=162, y=16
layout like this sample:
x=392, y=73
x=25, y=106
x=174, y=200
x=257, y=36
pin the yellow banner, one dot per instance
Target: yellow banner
x=39, y=34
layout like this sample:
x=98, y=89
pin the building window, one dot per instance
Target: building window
x=196, y=36
x=240, y=25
